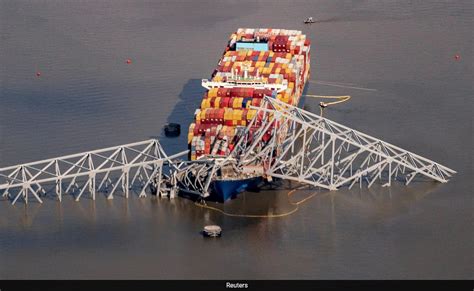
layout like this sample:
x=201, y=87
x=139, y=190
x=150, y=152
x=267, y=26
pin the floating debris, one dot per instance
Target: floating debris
x=172, y=129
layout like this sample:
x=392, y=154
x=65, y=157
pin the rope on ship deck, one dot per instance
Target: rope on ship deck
x=323, y=105
x=262, y=215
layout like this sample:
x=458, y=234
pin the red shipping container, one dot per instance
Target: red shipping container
x=281, y=38
x=221, y=92
x=196, y=129
x=234, y=92
x=220, y=114
x=256, y=101
x=244, y=113
x=224, y=102
x=211, y=115
x=266, y=137
x=258, y=93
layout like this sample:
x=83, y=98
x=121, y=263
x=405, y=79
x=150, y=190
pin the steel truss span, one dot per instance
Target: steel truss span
x=133, y=166
x=290, y=143
x=326, y=154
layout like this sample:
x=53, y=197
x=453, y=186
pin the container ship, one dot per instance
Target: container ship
x=256, y=63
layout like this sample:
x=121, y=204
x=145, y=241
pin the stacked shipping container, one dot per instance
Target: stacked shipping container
x=224, y=112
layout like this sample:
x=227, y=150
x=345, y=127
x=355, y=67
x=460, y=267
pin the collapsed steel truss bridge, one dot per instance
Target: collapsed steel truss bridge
x=313, y=150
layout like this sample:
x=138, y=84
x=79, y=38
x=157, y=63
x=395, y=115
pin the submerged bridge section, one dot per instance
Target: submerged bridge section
x=129, y=167
x=289, y=143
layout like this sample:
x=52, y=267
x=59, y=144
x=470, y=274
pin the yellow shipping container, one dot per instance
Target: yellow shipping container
x=237, y=102
x=217, y=101
x=277, y=71
x=212, y=93
x=288, y=56
x=190, y=136
x=251, y=114
x=237, y=114
x=228, y=114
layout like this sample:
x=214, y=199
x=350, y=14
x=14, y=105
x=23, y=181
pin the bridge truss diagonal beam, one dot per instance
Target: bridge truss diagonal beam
x=323, y=153
x=123, y=167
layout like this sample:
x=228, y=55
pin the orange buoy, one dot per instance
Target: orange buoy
x=457, y=57
x=38, y=74
x=129, y=61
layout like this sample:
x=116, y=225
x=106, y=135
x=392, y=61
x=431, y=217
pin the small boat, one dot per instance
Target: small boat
x=309, y=20
x=212, y=231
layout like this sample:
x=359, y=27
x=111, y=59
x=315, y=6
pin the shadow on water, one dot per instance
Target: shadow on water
x=189, y=99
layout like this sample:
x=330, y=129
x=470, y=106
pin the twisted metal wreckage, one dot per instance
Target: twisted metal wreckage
x=314, y=151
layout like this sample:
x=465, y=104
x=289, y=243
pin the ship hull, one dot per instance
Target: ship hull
x=223, y=190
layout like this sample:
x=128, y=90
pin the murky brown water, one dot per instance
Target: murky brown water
x=87, y=98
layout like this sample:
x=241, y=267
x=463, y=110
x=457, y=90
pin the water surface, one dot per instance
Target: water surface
x=87, y=97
